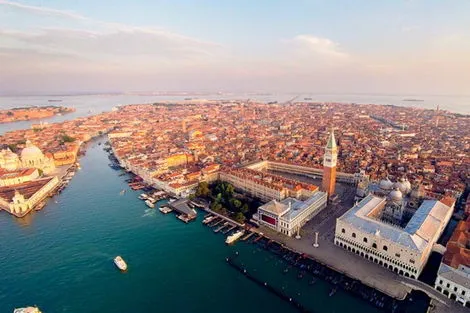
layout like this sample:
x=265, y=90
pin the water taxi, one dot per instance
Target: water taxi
x=120, y=263
x=234, y=237
x=29, y=309
x=149, y=204
x=165, y=209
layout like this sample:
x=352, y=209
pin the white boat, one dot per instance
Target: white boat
x=165, y=209
x=234, y=237
x=149, y=204
x=120, y=263
x=29, y=309
x=143, y=196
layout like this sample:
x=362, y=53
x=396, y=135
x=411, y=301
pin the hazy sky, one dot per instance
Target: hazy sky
x=407, y=47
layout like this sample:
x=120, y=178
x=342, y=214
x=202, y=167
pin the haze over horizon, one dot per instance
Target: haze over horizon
x=399, y=47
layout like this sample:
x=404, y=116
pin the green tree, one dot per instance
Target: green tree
x=244, y=209
x=67, y=138
x=239, y=217
x=235, y=203
x=203, y=190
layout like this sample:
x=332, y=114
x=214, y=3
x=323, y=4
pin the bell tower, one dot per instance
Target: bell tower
x=329, y=165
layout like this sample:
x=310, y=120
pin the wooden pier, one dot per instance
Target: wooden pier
x=220, y=228
x=247, y=236
x=229, y=229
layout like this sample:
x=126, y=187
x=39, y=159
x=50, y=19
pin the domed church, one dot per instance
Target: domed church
x=32, y=157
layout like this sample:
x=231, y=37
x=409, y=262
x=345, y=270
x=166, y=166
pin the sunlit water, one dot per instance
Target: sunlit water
x=61, y=258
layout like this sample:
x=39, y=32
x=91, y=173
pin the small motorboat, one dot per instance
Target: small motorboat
x=120, y=263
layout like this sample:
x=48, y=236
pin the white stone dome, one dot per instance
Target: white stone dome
x=386, y=184
x=396, y=195
x=31, y=152
x=401, y=186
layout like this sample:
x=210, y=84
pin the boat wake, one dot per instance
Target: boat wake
x=149, y=213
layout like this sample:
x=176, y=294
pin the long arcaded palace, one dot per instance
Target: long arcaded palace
x=380, y=229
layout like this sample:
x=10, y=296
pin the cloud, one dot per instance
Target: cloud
x=320, y=46
x=114, y=44
x=42, y=10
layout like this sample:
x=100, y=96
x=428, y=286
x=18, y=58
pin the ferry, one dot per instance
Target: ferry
x=120, y=263
x=232, y=238
x=165, y=209
x=29, y=309
x=149, y=204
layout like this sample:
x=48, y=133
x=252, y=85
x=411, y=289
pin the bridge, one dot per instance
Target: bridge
x=438, y=248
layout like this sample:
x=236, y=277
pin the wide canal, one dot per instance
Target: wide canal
x=61, y=258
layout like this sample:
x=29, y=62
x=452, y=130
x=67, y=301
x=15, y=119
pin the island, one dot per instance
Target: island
x=32, y=112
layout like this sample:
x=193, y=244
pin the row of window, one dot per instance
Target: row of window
x=374, y=245
x=462, y=292
x=388, y=259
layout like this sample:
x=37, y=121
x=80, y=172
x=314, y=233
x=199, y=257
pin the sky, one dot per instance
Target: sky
x=305, y=46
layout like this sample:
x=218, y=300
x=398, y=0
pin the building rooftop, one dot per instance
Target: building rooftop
x=418, y=233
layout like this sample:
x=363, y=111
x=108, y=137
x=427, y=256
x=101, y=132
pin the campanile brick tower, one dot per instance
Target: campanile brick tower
x=329, y=165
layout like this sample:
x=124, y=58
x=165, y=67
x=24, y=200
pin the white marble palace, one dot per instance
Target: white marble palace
x=368, y=230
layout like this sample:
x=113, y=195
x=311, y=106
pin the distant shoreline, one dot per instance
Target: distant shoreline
x=19, y=114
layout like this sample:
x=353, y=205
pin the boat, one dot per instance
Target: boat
x=122, y=192
x=29, y=309
x=143, y=196
x=333, y=291
x=165, y=209
x=149, y=204
x=120, y=263
x=234, y=237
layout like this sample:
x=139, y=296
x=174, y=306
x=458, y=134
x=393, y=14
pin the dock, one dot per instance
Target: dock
x=247, y=236
x=220, y=228
x=216, y=223
x=229, y=229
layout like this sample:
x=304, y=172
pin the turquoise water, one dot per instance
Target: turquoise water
x=61, y=258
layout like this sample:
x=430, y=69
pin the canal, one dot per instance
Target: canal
x=61, y=258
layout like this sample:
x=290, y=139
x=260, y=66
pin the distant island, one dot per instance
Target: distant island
x=413, y=100
x=31, y=113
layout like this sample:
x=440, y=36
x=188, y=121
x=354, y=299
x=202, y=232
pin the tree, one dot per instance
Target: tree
x=245, y=209
x=67, y=138
x=235, y=203
x=202, y=189
x=239, y=217
x=10, y=113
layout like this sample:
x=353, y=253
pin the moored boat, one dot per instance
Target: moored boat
x=149, y=204
x=120, y=263
x=234, y=237
x=165, y=209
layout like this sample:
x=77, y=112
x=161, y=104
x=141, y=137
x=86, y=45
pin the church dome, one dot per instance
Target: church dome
x=386, y=184
x=396, y=195
x=31, y=152
x=400, y=185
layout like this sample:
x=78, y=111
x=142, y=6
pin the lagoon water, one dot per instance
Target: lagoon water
x=61, y=258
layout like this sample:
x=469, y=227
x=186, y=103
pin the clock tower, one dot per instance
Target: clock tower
x=329, y=165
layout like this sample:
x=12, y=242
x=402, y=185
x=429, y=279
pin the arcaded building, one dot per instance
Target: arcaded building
x=453, y=277
x=374, y=230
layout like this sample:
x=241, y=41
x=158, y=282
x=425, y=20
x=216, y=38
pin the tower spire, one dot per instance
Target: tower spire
x=329, y=165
